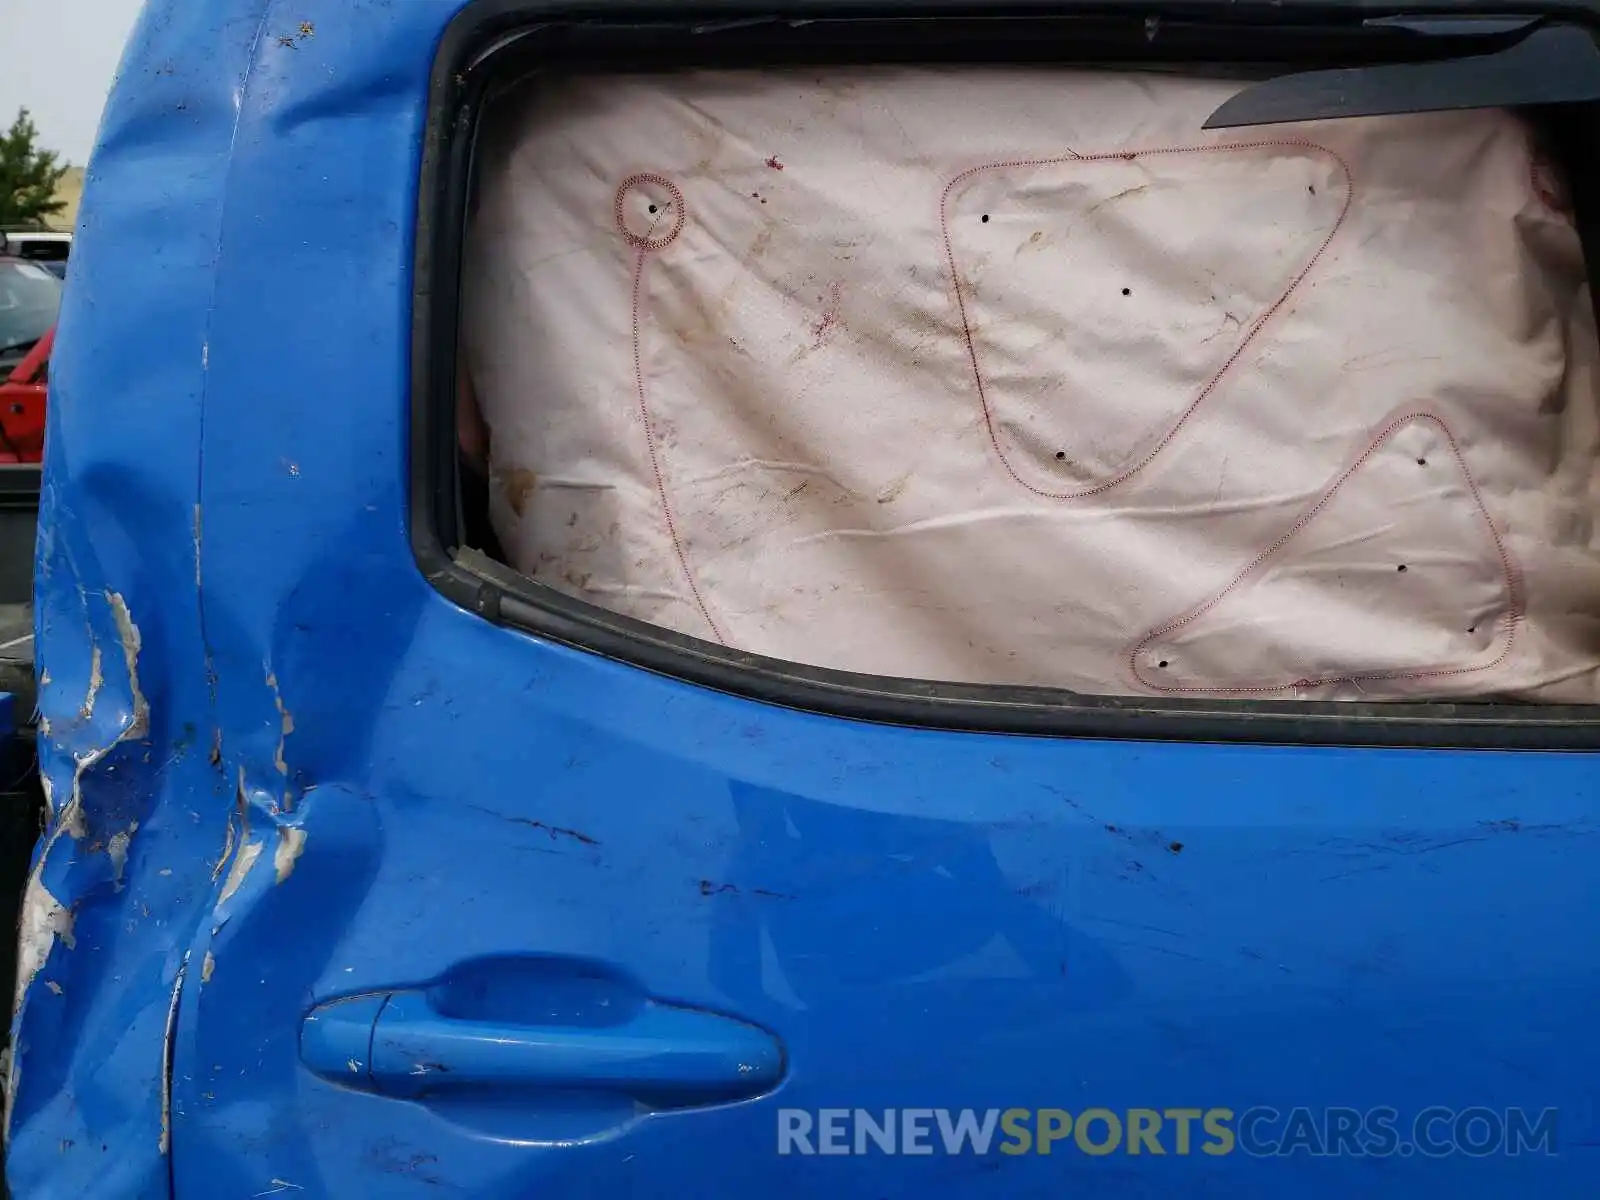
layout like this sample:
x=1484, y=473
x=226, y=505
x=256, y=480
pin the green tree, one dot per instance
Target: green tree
x=29, y=175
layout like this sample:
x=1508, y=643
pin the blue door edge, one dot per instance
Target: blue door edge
x=128, y=734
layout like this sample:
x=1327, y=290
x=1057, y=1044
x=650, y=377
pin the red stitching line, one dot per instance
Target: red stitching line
x=1250, y=334
x=1514, y=610
x=650, y=437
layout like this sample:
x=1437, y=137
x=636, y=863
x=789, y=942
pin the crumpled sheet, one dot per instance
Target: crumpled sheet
x=1020, y=377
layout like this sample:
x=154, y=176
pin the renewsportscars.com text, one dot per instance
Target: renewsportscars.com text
x=1259, y=1131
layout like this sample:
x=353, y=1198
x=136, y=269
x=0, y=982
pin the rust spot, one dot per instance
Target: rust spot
x=774, y=163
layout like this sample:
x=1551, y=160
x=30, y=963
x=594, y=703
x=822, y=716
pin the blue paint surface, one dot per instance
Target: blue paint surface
x=305, y=776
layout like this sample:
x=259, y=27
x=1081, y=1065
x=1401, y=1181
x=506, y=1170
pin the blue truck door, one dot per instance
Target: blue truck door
x=496, y=916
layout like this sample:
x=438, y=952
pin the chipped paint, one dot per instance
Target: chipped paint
x=132, y=642
x=291, y=844
x=227, y=853
x=242, y=862
x=44, y=920
x=97, y=680
x=207, y=965
x=285, y=728
x=117, y=852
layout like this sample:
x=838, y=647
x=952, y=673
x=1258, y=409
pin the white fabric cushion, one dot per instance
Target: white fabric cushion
x=1019, y=377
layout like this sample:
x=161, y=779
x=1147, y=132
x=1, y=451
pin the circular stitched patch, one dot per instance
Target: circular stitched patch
x=650, y=210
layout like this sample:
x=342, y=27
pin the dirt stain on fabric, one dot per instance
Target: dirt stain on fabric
x=519, y=485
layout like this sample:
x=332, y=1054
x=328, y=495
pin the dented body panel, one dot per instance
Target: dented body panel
x=286, y=775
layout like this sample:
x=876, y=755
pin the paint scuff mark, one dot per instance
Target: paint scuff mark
x=291, y=844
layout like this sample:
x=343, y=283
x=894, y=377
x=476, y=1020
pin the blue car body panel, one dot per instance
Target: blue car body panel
x=291, y=780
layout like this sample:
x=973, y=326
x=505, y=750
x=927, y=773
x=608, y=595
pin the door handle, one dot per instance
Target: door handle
x=663, y=1055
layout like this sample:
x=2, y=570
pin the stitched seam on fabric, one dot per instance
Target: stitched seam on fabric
x=655, y=458
x=1511, y=576
x=1250, y=334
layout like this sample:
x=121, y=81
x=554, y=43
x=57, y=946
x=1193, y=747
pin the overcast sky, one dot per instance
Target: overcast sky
x=57, y=58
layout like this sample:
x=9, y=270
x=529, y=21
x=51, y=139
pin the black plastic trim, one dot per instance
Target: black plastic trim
x=488, y=33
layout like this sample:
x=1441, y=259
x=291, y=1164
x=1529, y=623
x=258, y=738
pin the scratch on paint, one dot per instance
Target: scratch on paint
x=165, y=1143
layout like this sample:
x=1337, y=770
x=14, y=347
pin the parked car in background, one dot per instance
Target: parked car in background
x=30, y=297
x=49, y=248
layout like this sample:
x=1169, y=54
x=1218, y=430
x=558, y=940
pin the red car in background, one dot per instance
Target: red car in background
x=30, y=297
